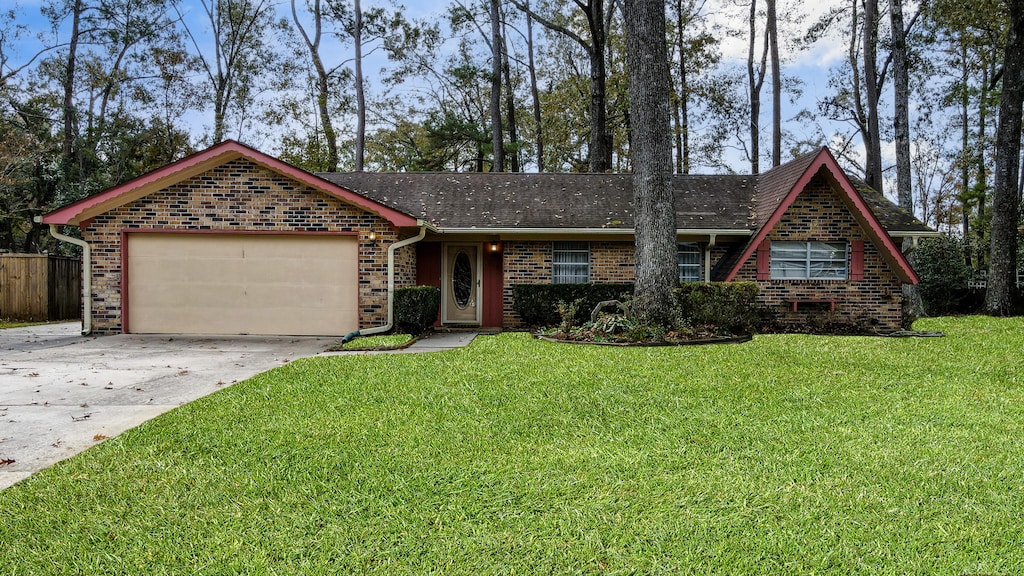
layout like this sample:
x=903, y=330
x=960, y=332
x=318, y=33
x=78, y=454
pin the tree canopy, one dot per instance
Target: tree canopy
x=906, y=93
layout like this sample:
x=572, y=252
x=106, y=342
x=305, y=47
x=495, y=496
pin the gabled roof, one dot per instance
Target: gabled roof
x=779, y=188
x=474, y=200
x=506, y=201
x=200, y=162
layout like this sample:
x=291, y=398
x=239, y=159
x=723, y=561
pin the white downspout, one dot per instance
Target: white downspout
x=712, y=238
x=391, y=286
x=86, y=277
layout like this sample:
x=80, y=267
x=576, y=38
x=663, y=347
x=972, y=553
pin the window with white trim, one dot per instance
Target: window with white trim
x=570, y=262
x=691, y=267
x=809, y=260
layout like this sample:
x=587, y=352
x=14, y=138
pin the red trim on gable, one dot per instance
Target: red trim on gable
x=211, y=157
x=874, y=229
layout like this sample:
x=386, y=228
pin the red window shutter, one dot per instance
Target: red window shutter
x=857, y=260
x=764, y=256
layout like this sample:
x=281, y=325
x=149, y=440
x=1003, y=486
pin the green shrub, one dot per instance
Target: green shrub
x=537, y=304
x=939, y=262
x=416, y=308
x=721, y=307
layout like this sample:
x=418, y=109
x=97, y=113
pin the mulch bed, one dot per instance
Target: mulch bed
x=693, y=342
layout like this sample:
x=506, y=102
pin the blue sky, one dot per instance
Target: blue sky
x=810, y=66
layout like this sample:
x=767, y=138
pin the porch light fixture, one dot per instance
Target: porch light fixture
x=371, y=236
x=494, y=247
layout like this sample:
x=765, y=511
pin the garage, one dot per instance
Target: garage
x=238, y=283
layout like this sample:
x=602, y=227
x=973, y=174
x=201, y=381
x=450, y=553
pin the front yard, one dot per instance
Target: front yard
x=787, y=454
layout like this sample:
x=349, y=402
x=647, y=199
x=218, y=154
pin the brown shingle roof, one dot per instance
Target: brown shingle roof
x=891, y=216
x=591, y=201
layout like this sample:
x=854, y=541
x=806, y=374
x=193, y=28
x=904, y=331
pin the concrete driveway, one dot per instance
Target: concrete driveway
x=61, y=393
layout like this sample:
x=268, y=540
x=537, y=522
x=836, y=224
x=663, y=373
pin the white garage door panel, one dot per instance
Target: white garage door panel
x=242, y=284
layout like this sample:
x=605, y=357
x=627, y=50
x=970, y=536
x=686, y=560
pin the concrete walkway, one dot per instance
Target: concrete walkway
x=61, y=392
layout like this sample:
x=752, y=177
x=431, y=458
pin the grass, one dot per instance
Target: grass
x=17, y=323
x=378, y=342
x=788, y=454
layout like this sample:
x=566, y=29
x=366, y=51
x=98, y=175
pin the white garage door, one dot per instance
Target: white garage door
x=242, y=284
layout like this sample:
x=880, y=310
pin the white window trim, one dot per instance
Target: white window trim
x=563, y=246
x=809, y=262
x=691, y=248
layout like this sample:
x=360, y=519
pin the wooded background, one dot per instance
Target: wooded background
x=95, y=92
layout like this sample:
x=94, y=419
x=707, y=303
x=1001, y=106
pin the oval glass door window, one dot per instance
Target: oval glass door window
x=462, y=280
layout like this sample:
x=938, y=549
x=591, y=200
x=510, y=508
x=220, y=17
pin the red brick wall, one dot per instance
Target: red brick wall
x=524, y=262
x=819, y=214
x=243, y=196
x=611, y=261
x=529, y=262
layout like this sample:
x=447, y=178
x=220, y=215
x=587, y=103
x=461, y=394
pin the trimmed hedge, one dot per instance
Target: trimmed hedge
x=537, y=304
x=728, y=307
x=416, y=308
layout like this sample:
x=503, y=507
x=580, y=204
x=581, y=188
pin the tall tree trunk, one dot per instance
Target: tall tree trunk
x=901, y=106
x=497, y=139
x=70, y=130
x=538, y=119
x=510, y=103
x=773, y=42
x=322, y=82
x=357, y=42
x=654, y=215
x=981, y=169
x=965, y=145
x=872, y=140
x=1002, y=276
x=684, y=93
x=755, y=81
x=677, y=133
x=600, y=145
x=913, y=306
x=600, y=139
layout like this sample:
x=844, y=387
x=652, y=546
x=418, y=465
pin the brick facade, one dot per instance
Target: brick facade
x=819, y=214
x=530, y=262
x=241, y=196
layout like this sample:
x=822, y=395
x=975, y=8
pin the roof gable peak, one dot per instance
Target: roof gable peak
x=203, y=161
x=779, y=188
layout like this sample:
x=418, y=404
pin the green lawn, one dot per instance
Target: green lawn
x=785, y=455
x=379, y=342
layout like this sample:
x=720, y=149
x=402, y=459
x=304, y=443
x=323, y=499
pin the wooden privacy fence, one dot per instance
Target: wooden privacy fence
x=40, y=287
